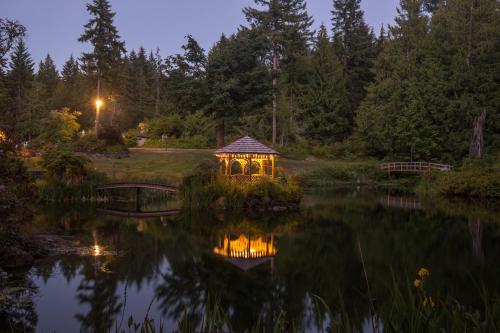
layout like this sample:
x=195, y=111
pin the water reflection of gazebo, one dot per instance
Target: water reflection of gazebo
x=247, y=252
x=252, y=159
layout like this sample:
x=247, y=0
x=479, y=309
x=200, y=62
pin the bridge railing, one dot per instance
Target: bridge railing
x=414, y=166
x=155, y=186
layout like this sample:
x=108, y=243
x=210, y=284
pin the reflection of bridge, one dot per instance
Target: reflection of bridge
x=411, y=203
x=125, y=213
x=413, y=167
x=151, y=186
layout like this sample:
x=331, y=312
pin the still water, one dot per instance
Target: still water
x=259, y=265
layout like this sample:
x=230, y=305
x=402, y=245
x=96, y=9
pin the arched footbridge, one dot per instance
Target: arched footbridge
x=151, y=186
x=413, y=167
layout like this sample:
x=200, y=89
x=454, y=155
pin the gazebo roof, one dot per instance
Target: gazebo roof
x=246, y=145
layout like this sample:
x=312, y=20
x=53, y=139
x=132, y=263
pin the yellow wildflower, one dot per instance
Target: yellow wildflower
x=417, y=283
x=423, y=272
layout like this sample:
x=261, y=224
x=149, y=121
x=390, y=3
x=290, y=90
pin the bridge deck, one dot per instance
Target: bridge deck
x=159, y=187
x=123, y=213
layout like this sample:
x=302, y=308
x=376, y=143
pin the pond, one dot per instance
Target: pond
x=259, y=266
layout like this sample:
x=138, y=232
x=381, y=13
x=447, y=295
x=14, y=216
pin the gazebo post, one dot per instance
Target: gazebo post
x=272, y=166
x=250, y=168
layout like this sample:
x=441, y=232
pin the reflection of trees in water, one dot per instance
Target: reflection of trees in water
x=320, y=260
x=476, y=232
x=17, y=309
x=98, y=290
x=317, y=255
x=191, y=281
x=309, y=261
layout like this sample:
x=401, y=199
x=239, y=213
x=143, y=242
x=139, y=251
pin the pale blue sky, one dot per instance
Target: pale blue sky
x=55, y=25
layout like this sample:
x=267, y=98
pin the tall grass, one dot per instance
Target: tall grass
x=202, y=192
x=410, y=309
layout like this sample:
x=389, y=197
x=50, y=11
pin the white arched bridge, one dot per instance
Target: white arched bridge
x=413, y=167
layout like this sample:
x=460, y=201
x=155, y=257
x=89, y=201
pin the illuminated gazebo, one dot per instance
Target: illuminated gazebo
x=247, y=252
x=246, y=158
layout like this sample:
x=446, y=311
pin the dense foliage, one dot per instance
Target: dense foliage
x=426, y=88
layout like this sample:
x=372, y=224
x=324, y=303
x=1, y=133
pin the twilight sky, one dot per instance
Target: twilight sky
x=55, y=25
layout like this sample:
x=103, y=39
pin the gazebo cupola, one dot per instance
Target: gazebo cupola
x=246, y=158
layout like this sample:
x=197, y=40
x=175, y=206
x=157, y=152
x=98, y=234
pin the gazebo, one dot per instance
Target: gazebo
x=251, y=158
x=247, y=252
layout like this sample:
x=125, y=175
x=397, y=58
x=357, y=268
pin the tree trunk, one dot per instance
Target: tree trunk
x=157, y=100
x=275, y=97
x=477, y=142
x=220, y=134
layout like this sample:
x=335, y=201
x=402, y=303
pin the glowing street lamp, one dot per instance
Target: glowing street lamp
x=98, y=104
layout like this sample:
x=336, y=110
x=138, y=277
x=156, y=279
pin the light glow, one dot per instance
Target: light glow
x=98, y=103
x=97, y=250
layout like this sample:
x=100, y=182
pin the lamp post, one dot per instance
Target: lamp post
x=98, y=104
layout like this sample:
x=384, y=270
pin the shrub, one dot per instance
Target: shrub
x=172, y=125
x=111, y=136
x=130, y=138
x=196, y=141
x=59, y=127
x=295, y=151
x=64, y=166
x=89, y=144
x=473, y=179
x=201, y=189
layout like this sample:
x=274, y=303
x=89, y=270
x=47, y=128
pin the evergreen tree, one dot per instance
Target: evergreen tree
x=286, y=24
x=138, y=95
x=466, y=40
x=70, y=92
x=20, y=79
x=48, y=77
x=186, y=91
x=355, y=46
x=238, y=82
x=328, y=115
x=104, y=61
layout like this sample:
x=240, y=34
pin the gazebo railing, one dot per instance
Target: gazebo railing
x=246, y=179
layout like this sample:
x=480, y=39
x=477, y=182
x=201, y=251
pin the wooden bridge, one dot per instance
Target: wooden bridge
x=413, y=167
x=151, y=186
x=131, y=214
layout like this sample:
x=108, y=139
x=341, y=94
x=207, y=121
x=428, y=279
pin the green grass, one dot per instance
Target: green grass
x=154, y=164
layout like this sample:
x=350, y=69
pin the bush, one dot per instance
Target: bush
x=473, y=179
x=64, y=166
x=130, y=138
x=196, y=141
x=295, y=151
x=172, y=125
x=59, y=127
x=203, y=188
x=111, y=136
x=89, y=144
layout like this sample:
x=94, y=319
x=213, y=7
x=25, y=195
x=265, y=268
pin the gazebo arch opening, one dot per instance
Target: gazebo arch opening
x=247, y=159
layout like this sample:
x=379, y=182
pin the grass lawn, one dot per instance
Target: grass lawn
x=154, y=164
